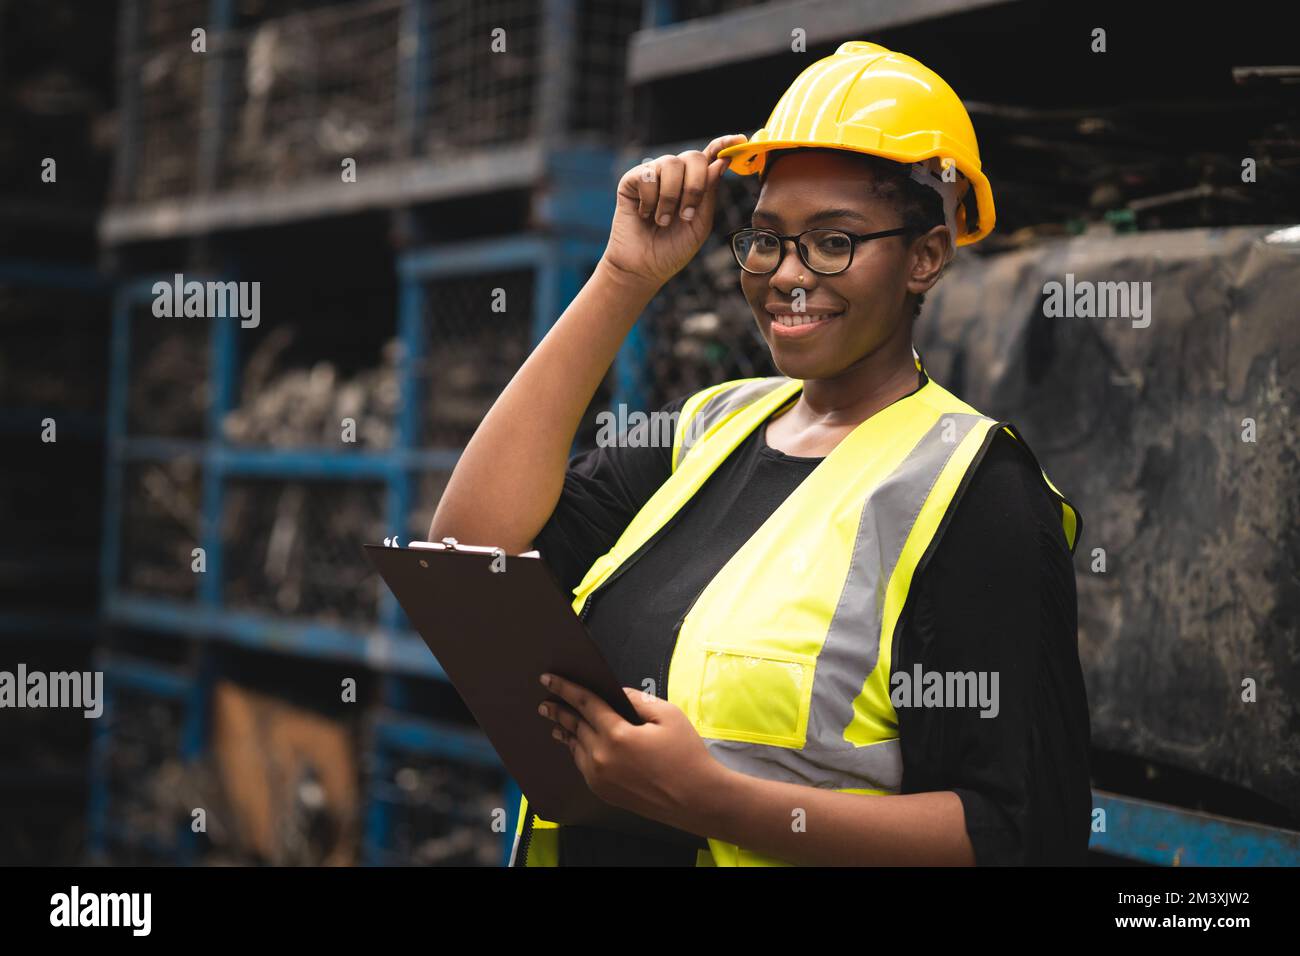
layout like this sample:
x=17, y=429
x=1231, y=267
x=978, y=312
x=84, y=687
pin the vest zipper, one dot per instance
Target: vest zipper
x=672, y=648
x=586, y=608
x=631, y=559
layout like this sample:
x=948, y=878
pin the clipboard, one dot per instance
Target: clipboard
x=494, y=632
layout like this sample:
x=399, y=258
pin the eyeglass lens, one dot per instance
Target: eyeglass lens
x=824, y=250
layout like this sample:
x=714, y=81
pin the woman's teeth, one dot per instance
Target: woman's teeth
x=803, y=318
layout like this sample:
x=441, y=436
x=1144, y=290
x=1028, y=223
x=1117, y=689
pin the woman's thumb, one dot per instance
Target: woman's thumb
x=643, y=701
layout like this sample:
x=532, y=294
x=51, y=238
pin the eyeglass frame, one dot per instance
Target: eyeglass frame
x=857, y=237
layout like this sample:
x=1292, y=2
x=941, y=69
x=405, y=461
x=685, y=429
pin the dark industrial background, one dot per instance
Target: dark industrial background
x=481, y=171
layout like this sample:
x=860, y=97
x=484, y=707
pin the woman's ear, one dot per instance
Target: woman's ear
x=929, y=256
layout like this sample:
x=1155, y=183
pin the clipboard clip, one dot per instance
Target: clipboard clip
x=446, y=544
x=451, y=544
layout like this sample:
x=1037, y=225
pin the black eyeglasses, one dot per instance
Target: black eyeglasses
x=825, y=251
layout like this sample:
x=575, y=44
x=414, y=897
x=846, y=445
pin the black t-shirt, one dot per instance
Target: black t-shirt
x=998, y=594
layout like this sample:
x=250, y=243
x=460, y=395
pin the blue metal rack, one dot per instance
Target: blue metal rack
x=571, y=184
x=557, y=265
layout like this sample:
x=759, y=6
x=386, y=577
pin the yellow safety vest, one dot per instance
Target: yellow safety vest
x=782, y=663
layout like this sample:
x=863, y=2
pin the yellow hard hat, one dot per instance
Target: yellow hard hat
x=868, y=99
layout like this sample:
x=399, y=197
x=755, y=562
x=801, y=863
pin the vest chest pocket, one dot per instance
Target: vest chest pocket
x=757, y=696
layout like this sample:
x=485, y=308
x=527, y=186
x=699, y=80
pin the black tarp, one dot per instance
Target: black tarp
x=1142, y=428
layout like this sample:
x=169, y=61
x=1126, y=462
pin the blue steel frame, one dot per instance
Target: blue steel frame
x=1171, y=836
x=572, y=213
x=558, y=264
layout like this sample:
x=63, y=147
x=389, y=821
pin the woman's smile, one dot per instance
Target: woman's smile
x=788, y=324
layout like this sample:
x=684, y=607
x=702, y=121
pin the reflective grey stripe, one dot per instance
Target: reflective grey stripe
x=719, y=406
x=852, y=645
x=876, y=767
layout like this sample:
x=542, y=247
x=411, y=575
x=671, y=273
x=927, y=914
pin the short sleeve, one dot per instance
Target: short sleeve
x=604, y=488
x=998, y=598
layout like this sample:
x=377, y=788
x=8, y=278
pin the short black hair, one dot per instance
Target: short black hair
x=920, y=207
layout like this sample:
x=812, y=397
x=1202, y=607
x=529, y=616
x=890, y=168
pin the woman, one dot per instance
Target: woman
x=839, y=584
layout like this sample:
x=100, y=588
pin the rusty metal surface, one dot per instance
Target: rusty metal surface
x=1142, y=428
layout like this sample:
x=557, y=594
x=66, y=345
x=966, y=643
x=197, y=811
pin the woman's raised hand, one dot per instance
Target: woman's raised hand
x=664, y=212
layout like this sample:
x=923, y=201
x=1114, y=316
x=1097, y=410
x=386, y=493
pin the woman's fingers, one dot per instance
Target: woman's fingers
x=694, y=182
x=671, y=185
x=647, y=188
x=671, y=171
x=562, y=714
x=716, y=169
x=587, y=705
x=569, y=726
x=712, y=169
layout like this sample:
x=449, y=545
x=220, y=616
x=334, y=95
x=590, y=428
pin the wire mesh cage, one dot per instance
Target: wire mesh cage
x=439, y=811
x=142, y=759
x=293, y=88
x=479, y=85
x=700, y=330
x=478, y=330
x=167, y=74
x=305, y=91
x=287, y=404
x=161, y=524
x=430, y=484
x=483, y=86
x=167, y=392
x=604, y=26
x=293, y=548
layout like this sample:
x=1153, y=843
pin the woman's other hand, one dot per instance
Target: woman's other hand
x=664, y=212
x=660, y=769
